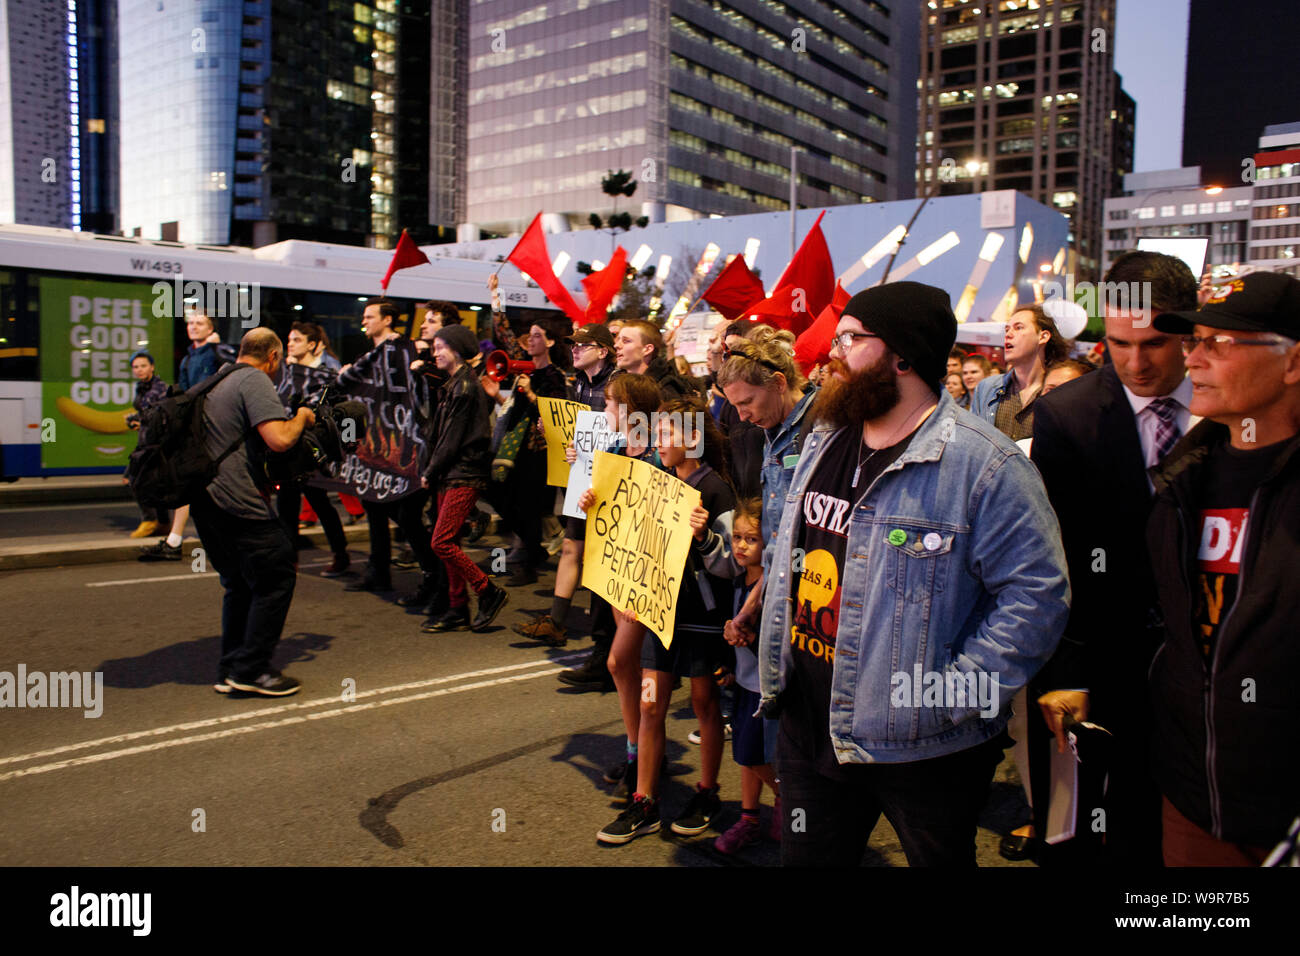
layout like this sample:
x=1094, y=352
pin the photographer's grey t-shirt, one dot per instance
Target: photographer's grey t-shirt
x=238, y=404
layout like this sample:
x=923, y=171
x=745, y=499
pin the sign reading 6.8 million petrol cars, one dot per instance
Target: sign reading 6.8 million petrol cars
x=88, y=332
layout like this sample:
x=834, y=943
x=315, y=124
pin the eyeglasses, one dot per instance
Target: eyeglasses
x=1218, y=346
x=844, y=341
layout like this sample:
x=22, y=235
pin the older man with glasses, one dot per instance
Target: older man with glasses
x=1224, y=535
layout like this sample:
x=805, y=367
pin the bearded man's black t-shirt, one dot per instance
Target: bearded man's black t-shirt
x=821, y=540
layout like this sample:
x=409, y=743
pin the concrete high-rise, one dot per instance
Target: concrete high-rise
x=701, y=100
x=1023, y=94
x=58, y=101
x=253, y=121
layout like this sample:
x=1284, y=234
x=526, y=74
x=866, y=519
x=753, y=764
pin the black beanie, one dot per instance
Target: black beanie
x=459, y=339
x=914, y=320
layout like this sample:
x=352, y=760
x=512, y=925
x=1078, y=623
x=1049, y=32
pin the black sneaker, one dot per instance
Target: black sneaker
x=422, y=595
x=406, y=560
x=454, y=619
x=490, y=603
x=641, y=817
x=614, y=772
x=626, y=785
x=162, y=551
x=269, y=684
x=699, y=812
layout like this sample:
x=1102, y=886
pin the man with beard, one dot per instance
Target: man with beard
x=937, y=530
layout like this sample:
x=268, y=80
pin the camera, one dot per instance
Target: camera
x=340, y=426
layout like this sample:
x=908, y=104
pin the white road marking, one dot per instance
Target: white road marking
x=270, y=711
x=166, y=577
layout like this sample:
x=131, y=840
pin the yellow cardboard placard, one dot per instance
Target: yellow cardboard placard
x=638, y=534
x=558, y=416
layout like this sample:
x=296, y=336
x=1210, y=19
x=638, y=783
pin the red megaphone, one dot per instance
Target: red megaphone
x=499, y=366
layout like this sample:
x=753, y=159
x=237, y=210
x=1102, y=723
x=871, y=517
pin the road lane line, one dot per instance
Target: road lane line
x=270, y=724
x=282, y=708
x=193, y=575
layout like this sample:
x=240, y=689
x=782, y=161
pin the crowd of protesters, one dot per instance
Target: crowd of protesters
x=906, y=560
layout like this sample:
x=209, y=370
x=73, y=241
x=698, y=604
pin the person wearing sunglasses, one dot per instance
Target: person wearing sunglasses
x=1223, y=538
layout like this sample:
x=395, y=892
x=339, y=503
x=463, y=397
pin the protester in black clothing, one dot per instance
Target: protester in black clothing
x=149, y=391
x=640, y=349
x=524, y=497
x=395, y=353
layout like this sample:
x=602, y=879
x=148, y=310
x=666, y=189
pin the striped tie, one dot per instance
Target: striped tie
x=1167, y=431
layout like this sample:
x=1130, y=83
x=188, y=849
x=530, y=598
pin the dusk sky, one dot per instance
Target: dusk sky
x=1151, y=56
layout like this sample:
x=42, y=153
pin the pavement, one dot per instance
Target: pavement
x=403, y=748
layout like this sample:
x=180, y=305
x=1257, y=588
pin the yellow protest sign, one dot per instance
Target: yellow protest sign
x=638, y=534
x=558, y=416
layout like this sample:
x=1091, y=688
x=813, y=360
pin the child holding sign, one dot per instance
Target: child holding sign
x=692, y=448
x=630, y=401
x=753, y=741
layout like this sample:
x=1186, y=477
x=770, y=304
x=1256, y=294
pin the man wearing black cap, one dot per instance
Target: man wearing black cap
x=926, y=586
x=1224, y=535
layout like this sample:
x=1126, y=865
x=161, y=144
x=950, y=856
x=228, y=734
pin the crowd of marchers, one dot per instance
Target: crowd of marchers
x=904, y=561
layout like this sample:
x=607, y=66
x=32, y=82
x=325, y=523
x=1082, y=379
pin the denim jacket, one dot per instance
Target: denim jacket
x=954, y=566
x=988, y=394
x=778, y=446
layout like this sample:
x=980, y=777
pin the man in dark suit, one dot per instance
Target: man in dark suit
x=1094, y=439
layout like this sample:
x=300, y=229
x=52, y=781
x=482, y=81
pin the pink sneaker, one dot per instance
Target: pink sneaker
x=775, y=832
x=742, y=834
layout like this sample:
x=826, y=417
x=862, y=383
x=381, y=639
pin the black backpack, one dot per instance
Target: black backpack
x=171, y=465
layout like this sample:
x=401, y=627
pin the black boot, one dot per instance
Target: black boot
x=423, y=595
x=372, y=580
x=592, y=675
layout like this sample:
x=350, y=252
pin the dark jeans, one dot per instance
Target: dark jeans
x=289, y=502
x=933, y=805
x=256, y=562
x=406, y=512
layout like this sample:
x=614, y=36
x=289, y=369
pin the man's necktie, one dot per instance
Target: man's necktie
x=1167, y=430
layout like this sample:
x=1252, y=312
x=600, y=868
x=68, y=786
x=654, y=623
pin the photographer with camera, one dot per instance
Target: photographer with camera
x=241, y=535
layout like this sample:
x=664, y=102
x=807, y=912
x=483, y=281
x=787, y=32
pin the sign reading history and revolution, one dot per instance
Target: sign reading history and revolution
x=88, y=332
x=638, y=533
x=591, y=433
x=557, y=417
x=386, y=464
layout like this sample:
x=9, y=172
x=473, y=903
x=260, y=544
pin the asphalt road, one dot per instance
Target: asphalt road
x=458, y=749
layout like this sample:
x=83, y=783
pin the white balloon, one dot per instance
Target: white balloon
x=1070, y=317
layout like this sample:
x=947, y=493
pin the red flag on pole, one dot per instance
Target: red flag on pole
x=602, y=286
x=813, y=347
x=406, y=254
x=734, y=289
x=531, y=258
x=777, y=309
x=811, y=271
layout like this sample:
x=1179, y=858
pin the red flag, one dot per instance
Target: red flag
x=406, y=254
x=778, y=308
x=531, y=258
x=813, y=347
x=602, y=286
x=811, y=271
x=734, y=289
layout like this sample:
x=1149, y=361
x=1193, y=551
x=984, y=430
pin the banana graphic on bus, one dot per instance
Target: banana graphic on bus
x=106, y=423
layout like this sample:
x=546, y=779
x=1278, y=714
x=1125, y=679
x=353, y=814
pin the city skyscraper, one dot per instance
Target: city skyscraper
x=1023, y=94
x=701, y=100
x=58, y=103
x=1241, y=77
x=253, y=121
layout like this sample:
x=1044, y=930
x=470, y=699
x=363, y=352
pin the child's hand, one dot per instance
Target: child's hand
x=624, y=617
x=737, y=635
x=587, y=500
x=699, y=522
x=724, y=677
x=570, y=453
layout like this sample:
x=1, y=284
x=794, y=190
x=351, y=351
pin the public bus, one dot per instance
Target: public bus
x=74, y=306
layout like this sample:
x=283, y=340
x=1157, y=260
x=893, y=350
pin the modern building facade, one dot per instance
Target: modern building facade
x=1241, y=77
x=58, y=123
x=701, y=100
x=254, y=121
x=1023, y=94
x=1275, y=213
x=1178, y=203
